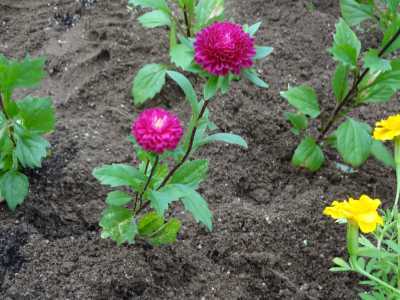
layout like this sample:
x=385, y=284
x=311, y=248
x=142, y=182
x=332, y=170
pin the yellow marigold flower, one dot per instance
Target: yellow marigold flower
x=362, y=212
x=387, y=129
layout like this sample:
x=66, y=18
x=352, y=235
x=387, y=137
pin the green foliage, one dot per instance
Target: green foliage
x=353, y=142
x=155, y=18
x=208, y=11
x=197, y=14
x=377, y=261
x=362, y=76
x=346, y=47
x=118, y=223
x=148, y=82
x=22, y=126
x=140, y=209
x=308, y=155
x=304, y=99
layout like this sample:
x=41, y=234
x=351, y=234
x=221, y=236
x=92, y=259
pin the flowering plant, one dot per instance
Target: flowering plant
x=22, y=126
x=360, y=79
x=377, y=259
x=215, y=50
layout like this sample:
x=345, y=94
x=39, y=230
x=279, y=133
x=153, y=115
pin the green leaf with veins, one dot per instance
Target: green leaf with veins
x=167, y=233
x=227, y=138
x=155, y=18
x=340, y=82
x=308, y=155
x=298, y=120
x=30, y=148
x=118, y=198
x=148, y=82
x=376, y=63
x=354, y=12
x=353, y=142
x=304, y=99
x=37, y=114
x=346, y=47
x=182, y=56
x=118, y=224
x=14, y=188
x=20, y=74
x=116, y=175
x=150, y=223
x=191, y=173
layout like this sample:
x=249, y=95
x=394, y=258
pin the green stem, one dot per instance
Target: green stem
x=352, y=238
x=397, y=161
x=152, y=172
x=358, y=269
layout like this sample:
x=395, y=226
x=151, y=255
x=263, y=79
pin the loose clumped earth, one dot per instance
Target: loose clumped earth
x=270, y=239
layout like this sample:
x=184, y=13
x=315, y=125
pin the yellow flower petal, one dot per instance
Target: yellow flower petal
x=387, y=129
x=362, y=212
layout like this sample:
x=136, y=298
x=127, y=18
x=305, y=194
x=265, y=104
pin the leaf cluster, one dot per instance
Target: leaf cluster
x=23, y=123
x=361, y=78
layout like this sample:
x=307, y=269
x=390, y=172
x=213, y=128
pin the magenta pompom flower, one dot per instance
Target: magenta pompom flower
x=224, y=47
x=157, y=130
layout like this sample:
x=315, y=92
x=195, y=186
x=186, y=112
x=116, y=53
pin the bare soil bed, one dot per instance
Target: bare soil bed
x=270, y=239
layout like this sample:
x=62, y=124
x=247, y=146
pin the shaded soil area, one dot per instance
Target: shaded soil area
x=270, y=239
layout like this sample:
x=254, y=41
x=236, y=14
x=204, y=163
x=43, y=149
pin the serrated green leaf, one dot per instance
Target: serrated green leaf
x=20, y=74
x=252, y=76
x=381, y=153
x=376, y=63
x=346, y=47
x=228, y=138
x=353, y=142
x=155, y=18
x=118, y=198
x=191, y=199
x=298, y=120
x=187, y=88
x=340, y=82
x=156, y=4
x=198, y=207
x=182, y=56
x=116, y=175
x=308, y=155
x=191, y=173
x=118, y=224
x=37, y=114
x=304, y=99
x=167, y=234
x=262, y=52
x=150, y=223
x=14, y=188
x=210, y=88
x=30, y=148
x=206, y=11
x=160, y=200
x=148, y=82
x=354, y=13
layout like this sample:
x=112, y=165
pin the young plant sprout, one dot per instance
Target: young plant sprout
x=376, y=258
x=22, y=126
x=217, y=51
x=361, y=78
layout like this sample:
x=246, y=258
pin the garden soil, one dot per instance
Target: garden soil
x=270, y=239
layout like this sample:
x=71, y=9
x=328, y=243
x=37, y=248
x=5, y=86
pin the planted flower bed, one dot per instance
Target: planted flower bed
x=269, y=238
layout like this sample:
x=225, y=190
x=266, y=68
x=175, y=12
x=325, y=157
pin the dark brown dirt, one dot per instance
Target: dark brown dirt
x=270, y=239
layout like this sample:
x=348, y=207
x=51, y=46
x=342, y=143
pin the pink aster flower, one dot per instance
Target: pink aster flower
x=157, y=130
x=224, y=47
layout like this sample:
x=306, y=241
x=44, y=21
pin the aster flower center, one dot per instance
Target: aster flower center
x=159, y=122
